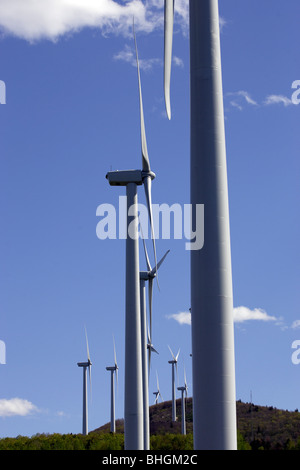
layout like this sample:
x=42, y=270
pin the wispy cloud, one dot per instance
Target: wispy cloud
x=240, y=98
x=128, y=55
x=16, y=407
x=278, y=99
x=295, y=325
x=240, y=315
x=177, y=61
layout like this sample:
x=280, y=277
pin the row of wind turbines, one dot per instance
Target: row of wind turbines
x=214, y=403
x=114, y=380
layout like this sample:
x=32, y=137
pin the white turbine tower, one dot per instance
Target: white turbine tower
x=174, y=365
x=85, y=366
x=157, y=393
x=183, y=391
x=146, y=335
x=133, y=402
x=214, y=402
x=113, y=376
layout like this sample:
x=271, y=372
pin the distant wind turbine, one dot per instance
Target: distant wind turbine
x=157, y=393
x=183, y=391
x=211, y=273
x=174, y=364
x=113, y=376
x=146, y=335
x=133, y=402
x=85, y=366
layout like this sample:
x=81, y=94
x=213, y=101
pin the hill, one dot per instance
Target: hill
x=261, y=427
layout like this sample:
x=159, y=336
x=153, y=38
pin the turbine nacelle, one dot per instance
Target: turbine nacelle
x=151, y=348
x=146, y=275
x=124, y=177
x=157, y=394
x=84, y=364
x=175, y=358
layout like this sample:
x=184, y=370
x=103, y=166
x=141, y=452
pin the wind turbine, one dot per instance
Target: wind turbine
x=146, y=335
x=157, y=393
x=183, y=391
x=133, y=402
x=113, y=374
x=174, y=364
x=85, y=366
x=214, y=401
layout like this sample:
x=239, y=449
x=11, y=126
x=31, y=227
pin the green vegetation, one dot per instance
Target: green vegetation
x=96, y=441
x=64, y=442
x=259, y=428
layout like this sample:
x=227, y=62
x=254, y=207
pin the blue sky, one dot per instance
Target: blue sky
x=71, y=115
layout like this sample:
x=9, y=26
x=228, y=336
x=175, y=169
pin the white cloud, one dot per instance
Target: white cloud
x=234, y=104
x=295, y=324
x=243, y=97
x=128, y=55
x=34, y=20
x=60, y=414
x=16, y=407
x=240, y=97
x=240, y=315
x=177, y=61
x=183, y=318
x=50, y=19
x=278, y=99
x=223, y=23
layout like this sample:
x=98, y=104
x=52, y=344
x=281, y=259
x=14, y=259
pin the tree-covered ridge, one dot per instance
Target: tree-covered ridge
x=259, y=428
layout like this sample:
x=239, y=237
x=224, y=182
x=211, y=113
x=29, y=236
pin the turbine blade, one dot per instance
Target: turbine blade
x=159, y=263
x=149, y=359
x=145, y=250
x=145, y=157
x=153, y=349
x=158, y=390
x=115, y=355
x=168, y=44
x=171, y=353
x=177, y=354
x=147, y=185
x=87, y=346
